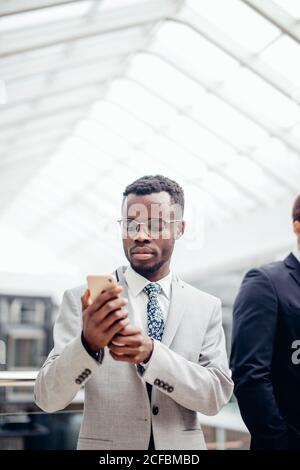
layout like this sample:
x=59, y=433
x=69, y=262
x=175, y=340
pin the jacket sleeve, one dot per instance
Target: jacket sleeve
x=255, y=318
x=68, y=365
x=205, y=386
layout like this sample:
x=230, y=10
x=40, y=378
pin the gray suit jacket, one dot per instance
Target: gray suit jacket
x=188, y=370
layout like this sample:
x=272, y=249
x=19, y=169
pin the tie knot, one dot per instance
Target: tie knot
x=152, y=289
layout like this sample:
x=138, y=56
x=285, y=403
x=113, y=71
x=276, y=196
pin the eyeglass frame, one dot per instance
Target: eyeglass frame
x=145, y=223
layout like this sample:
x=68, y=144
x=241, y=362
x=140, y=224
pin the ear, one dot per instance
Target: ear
x=180, y=228
x=296, y=226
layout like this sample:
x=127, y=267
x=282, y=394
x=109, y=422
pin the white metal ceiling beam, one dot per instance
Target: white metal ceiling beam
x=276, y=15
x=252, y=61
x=13, y=7
x=143, y=14
x=24, y=69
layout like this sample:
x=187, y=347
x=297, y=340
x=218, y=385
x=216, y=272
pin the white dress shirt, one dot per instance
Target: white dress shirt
x=296, y=253
x=138, y=299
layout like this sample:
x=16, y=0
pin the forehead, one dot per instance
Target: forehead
x=153, y=202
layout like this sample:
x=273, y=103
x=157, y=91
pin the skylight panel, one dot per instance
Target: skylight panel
x=227, y=192
x=121, y=122
x=199, y=141
x=177, y=158
x=193, y=52
x=290, y=6
x=44, y=16
x=162, y=78
x=284, y=56
x=263, y=99
x=141, y=103
x=228, y=123
x=240, y=22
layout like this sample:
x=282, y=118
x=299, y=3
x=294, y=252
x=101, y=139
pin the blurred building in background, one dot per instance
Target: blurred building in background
x=96, y=93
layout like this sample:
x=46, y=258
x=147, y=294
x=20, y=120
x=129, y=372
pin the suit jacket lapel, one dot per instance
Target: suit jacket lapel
x=294, y=267
x=176, y=311
x=119, y=274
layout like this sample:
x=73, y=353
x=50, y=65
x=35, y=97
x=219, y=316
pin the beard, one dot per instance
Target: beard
x=147, y=270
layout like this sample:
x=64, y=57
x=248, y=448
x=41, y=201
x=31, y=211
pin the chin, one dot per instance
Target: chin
x=145, y=269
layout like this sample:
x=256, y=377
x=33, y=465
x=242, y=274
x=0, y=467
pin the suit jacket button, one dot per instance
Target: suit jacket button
x=78, y=381
x=170, y=389
x=166, y=386
x=156, y=382
x=88, y=371
x=155, y=410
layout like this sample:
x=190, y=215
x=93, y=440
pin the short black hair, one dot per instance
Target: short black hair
x=149, y=184
x=296, y=210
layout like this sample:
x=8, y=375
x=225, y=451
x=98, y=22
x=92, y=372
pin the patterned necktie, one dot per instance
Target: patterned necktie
x=155, y=316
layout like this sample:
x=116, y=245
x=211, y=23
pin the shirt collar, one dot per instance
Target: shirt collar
x=136, y=282
x=296, y=253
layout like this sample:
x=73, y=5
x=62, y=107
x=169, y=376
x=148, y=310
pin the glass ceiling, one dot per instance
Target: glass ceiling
x=102, y=92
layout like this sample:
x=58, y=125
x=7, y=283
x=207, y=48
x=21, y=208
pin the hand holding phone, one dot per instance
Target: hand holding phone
x=100, y=284
x=103, y=314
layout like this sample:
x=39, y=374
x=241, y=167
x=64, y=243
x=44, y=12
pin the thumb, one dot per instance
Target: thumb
x=85, y=299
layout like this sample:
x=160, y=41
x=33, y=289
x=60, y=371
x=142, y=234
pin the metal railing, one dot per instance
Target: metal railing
x=17, y=378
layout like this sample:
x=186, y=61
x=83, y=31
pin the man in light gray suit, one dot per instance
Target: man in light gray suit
x=149, y=369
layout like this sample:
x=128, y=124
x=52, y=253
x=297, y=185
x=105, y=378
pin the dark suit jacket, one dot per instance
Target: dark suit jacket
x=264, y=358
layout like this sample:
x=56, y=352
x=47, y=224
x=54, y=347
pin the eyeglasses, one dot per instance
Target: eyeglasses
x=153, y=226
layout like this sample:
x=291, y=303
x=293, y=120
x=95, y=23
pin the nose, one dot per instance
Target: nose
x=141, y=235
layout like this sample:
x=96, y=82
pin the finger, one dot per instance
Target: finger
x=85, y=299
x=112, y=318
x=117, y=343
x=115, y=328
x=120, y=340
x=131, y=330
x=105, y=297
x=123, y=350
x=110, y=307
x=124, y=358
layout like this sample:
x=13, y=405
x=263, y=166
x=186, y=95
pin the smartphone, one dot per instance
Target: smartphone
x=99, y=284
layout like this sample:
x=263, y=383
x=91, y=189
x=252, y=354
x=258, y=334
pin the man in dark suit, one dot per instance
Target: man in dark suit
x=265, y=356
